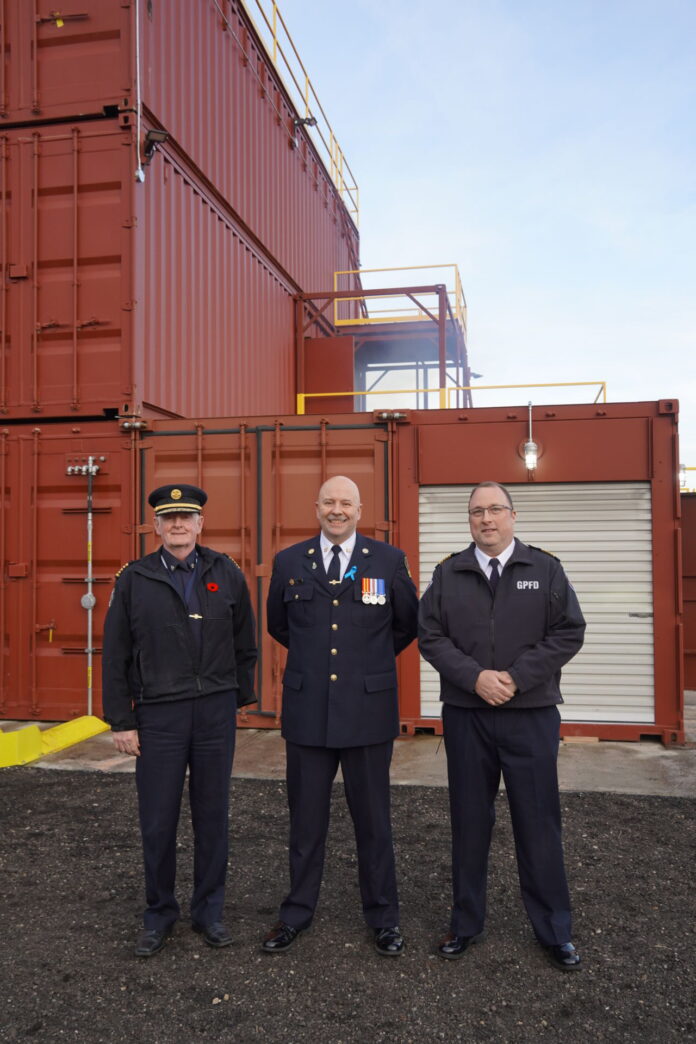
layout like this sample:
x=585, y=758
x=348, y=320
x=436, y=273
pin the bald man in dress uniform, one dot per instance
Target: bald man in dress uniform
x=344, y=606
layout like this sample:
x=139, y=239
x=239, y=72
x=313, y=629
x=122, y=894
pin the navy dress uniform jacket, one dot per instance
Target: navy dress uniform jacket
x=339, y=686
x=152, y=655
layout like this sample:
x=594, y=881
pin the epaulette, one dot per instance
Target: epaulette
x=450, y=555
x=544, y=551
x=124, y=566
x=232, y=560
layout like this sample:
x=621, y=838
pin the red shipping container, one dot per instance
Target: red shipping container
x=613, y=517
x=206, y=79
x=43, y=543
x=124, y=296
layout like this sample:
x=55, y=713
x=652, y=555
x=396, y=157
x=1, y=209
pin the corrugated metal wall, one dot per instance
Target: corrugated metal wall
x=123, y=293
x=43, y=544
x=208, y=81
x=602, y=533
x=214, y=317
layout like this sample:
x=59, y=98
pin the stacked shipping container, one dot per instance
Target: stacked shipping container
x=171, y=295
x=136, y=284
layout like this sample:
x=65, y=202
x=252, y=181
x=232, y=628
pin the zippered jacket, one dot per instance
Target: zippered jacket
x=151, y=652
x=531, y=627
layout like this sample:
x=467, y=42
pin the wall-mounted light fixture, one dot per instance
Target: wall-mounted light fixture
x=301, y=121
x=531, y=450
x=153, y=140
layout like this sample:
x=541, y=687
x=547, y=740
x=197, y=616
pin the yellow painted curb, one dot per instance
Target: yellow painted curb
x=28, y=744
x=21, y=746
x=70, y=733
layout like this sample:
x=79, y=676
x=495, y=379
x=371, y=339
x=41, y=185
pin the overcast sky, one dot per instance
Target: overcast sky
x=548, y=149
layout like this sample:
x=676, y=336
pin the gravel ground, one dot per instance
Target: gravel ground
x=72, y=892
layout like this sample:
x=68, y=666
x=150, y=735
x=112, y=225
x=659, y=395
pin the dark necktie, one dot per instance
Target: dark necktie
x=334, y=572
x=495, y=575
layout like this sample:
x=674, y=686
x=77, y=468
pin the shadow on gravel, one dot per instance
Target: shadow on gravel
x=72, y=893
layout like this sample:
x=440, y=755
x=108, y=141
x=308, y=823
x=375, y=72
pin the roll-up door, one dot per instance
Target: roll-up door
x=602, y=534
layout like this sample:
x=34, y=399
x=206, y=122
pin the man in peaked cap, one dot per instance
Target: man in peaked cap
x=344, y=606
x=178, y=660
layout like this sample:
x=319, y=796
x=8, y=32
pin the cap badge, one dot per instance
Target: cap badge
x=176, y=494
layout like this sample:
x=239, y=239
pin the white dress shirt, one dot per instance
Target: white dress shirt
x=345, y=556
x=485, y=560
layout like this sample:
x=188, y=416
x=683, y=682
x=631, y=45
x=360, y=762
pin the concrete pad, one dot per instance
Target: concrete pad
x=623, y=768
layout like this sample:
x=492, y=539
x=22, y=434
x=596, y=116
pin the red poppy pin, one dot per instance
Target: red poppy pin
x=212, y=587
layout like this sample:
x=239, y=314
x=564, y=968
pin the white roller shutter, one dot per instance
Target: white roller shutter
x=602, y=534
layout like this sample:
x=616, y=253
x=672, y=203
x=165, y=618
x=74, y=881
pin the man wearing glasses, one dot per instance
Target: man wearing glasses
x=498, y=622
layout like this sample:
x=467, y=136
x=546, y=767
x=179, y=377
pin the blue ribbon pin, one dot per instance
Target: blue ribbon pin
x=350, y=573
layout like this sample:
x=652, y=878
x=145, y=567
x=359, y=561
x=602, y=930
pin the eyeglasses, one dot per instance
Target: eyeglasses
x=493, y=509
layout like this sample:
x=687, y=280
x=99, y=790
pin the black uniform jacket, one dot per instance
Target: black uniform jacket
x=339, y=686
x=150, y=650
x=531, y=628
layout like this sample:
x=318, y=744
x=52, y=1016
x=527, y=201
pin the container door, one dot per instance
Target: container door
x=67, y=230
x=44, y=544
x=60, y=64
x=602, y=532
x=262, y=481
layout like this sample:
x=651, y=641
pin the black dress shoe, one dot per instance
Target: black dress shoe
x=564, y=957
x=214, y=934
x=280, y=938
x=454, y=946
x=389, y=942
x=151, y=941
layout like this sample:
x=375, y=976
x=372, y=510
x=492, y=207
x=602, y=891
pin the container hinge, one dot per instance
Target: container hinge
x=92, y=321
x=51, y=324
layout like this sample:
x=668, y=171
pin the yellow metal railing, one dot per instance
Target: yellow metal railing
x=403, y=309
x=275, y=36
x=684, y=486
x=600, y=385
x=444, y=394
